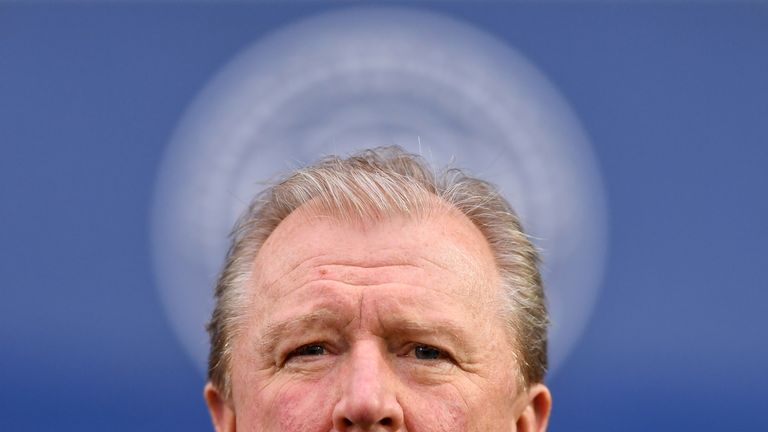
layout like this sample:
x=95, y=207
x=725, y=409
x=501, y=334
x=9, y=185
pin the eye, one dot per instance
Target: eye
x=307, y=350
x=426, y=352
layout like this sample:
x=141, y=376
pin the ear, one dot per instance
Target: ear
x=535, y=412
x=222, y=413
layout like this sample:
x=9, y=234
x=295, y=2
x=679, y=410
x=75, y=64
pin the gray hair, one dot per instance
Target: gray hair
x=371, y=185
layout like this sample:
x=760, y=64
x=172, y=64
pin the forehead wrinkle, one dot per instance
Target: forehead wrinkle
x=267, y=283
x=343, y=270
x=307, y=213
x=324, y=259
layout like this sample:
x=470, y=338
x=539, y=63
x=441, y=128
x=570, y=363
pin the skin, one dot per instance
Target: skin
x=384, y=326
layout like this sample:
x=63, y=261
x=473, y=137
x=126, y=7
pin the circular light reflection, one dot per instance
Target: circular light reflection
x=347, y=80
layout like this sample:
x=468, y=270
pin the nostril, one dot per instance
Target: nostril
x=386, y=421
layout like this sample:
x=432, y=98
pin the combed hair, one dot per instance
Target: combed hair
x=372, y=185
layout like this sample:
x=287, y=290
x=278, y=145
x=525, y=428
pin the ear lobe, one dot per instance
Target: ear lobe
x=222, y=413
x=535, y=413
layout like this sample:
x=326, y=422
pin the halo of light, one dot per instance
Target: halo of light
x=368, y=77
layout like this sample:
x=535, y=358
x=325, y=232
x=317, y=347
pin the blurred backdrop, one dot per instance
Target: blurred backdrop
x=633, y=138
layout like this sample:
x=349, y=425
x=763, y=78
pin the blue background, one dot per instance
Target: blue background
x=673, y=96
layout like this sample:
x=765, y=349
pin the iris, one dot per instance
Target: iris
x=425, y=352
x=309, y=350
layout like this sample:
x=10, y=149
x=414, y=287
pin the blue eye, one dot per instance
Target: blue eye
x=308, y=350
x=426, y=352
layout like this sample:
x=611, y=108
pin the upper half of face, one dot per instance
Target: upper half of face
x=388, y=325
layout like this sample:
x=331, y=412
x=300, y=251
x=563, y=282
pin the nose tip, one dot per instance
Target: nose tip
x=369, y=400
x=368, y=412
x=367, y=415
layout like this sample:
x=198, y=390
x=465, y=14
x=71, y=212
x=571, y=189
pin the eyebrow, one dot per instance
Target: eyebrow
x=277, y=330
x=403, y=327
x=443, y=328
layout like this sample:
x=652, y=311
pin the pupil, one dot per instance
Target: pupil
x=427, y=353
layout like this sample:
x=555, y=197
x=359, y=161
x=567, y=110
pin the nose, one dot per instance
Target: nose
x=368, y=401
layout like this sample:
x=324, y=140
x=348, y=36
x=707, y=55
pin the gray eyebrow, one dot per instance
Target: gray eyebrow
x=277, y=330
x=445, y=328
x=402, y=326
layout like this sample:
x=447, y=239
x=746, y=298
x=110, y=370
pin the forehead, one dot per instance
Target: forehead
x=443, y=246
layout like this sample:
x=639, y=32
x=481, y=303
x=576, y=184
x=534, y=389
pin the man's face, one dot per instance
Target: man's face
x=391, y=326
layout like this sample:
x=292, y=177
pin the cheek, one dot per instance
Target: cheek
x=271, y=405
x=436, y=410
x=301, y=407
x=458, y=407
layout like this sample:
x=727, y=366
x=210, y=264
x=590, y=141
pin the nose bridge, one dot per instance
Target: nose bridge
x=367, y=369
x=369, y=392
